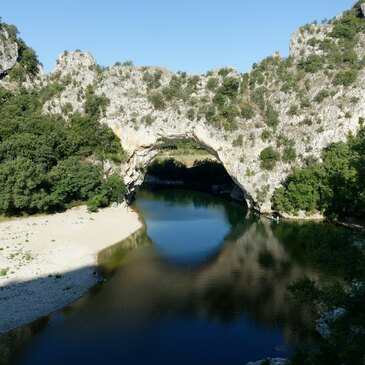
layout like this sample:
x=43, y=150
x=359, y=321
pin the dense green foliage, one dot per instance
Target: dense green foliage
x=321, y=96
x=350, y=24
x=43, y=164
x=335, y=186
x=312, y=64
x=342, y=54
x=271, y=116
x=212, y=83
x=230, y=86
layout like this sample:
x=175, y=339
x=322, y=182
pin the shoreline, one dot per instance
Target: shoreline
x=47, y=262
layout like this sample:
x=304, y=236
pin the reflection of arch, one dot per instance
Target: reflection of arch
x=234, y=282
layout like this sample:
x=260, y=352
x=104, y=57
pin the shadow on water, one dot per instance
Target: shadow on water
x=230, y=305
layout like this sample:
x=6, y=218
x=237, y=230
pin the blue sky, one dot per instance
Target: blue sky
x=187, y=35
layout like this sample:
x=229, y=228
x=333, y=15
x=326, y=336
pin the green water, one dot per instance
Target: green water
x=205, y=282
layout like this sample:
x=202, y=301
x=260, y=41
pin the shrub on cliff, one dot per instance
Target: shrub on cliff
x=271, y=116
x=247, y=111
x=230, y=86
x=157, y=100
x=212, y=83
x=312, y=64
x=95, y=105
x=349, y=25
x=269, y=157
x=346, y=77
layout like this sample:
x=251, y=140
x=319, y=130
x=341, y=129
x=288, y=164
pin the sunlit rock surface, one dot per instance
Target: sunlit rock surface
x=8, y=51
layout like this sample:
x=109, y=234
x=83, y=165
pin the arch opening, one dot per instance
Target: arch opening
x=186, y=163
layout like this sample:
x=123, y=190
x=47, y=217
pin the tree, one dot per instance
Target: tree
x=74, y=179
x=23, y=187
x=115, y=188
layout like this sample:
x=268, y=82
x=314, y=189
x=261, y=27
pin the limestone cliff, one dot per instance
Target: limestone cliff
x=296, y=105
x=8, y=51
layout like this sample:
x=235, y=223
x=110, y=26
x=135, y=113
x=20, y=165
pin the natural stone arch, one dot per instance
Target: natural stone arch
x=141, y=124
x=144, y=144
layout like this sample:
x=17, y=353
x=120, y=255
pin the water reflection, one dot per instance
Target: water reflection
x=230, y=306
x=248, y=276
x=186, y=229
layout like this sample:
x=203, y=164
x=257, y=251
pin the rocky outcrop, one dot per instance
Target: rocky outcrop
x=299, y=46
x=8, y=51
x=142, y=128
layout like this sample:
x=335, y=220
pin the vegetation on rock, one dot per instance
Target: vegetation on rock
x=28, y=63
x=269, y=157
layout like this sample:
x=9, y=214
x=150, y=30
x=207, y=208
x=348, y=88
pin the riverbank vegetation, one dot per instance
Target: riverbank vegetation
x=335, y=186
x=47, y=164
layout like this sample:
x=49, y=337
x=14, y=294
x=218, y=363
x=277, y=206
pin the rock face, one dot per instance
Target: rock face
x=299, y=46
x=143, y=128
x=8, y=51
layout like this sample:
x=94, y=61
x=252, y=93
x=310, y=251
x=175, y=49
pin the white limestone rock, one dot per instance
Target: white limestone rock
x=306, y=40
x=8, y=51
x=323, y=323
x=269, y=361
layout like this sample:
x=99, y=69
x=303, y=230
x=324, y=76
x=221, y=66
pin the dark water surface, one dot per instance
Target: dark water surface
x=204, y=283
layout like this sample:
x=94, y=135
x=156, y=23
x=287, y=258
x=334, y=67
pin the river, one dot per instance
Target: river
x=204, y=282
